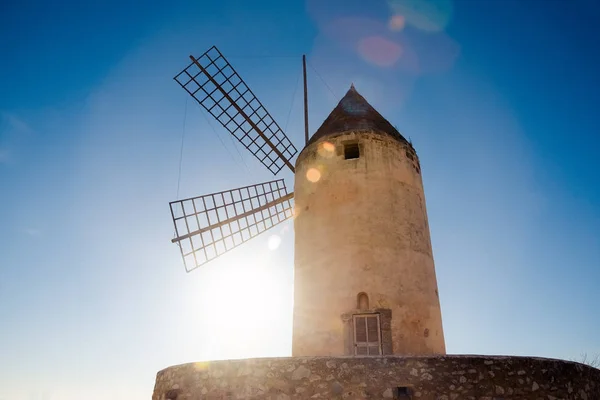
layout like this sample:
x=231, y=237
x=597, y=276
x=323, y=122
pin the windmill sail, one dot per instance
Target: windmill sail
x=213, y=83
x=210, y=225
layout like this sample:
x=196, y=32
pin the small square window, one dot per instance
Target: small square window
x=351, y=150
x=402, y=392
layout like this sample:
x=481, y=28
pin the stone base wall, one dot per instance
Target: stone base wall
x=387, y=377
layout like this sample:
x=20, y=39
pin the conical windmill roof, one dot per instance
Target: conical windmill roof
x=354, y=113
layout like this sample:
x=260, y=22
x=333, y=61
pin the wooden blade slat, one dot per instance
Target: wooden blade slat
x=218, y=88
x=230, y=220
x=211, y=225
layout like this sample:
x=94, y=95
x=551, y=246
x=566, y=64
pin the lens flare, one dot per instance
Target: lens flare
x=426, y=15
x=326, y=149
x=397, y=22
x=313, y=175
x=274, y=242
x=379, y=50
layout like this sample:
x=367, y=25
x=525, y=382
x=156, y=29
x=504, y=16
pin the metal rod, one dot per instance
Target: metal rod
x=239, y=109
x=230, y=220
x=305, y=101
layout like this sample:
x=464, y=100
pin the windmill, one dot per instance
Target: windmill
x=364, y=274
x=210, y=225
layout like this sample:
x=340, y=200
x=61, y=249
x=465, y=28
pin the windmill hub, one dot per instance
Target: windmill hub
x=367, y=321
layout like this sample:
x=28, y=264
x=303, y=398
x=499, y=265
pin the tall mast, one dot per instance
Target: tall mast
x=305, y=100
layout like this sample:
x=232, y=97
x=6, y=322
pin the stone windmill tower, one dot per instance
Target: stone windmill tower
x=367, y=322
x=364, y=278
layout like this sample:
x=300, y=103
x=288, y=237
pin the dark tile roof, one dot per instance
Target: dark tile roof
x=354, y=113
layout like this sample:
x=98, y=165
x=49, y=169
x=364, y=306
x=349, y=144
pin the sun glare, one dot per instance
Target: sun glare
x=243, y=307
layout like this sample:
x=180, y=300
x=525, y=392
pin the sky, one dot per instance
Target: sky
x=499, y=98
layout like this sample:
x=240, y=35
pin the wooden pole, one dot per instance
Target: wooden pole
x=305, y=101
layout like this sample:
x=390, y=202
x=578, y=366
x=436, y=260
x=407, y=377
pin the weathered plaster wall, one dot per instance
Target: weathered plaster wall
x=428, y=378
x=362, y=227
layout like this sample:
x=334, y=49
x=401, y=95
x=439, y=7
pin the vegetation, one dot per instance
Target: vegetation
x=592, y=361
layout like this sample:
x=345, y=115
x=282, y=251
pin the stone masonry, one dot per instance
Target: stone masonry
x=424, y=378
x=363, y=228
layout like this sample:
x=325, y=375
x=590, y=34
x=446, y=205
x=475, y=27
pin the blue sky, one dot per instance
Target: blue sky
x=499, y=98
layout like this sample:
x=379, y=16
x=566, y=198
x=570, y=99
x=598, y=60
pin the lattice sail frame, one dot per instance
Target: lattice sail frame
x=210, y=225
x=213, y=83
